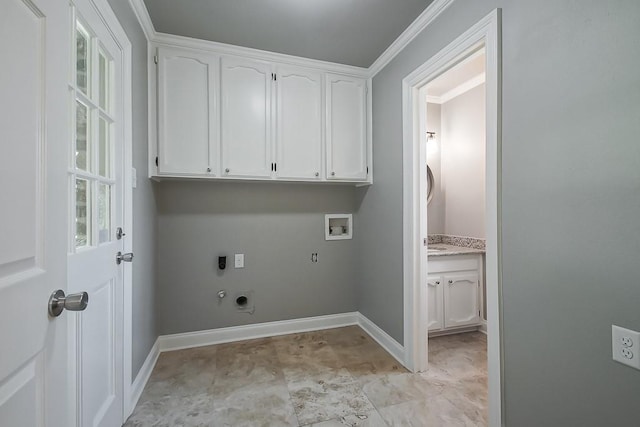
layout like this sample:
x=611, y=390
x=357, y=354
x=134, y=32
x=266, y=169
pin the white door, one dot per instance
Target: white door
x=435, y=303
x=299, y=123
x=246, y=118
x=461, y=306
x=346, y=128
x=97, y=210
x=187, y=99
x=34, y=47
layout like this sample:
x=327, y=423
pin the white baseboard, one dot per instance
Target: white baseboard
x=392, y=346
x=483, y=327
x=142, y=378
x=260, y=330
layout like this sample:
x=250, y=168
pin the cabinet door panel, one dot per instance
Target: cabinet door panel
x=186, y=103
x=346, y=128
x=299, y=123
x=435, y=303
x=246, y=118
x=461, y=302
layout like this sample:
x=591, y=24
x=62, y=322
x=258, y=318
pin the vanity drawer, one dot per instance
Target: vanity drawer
x=454, y=263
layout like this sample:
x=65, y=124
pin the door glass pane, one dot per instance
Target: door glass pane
x=104, y=213
x=82, y=137
x=104, y=148
x=83, y=213
x=82, y=59
x=103, y=73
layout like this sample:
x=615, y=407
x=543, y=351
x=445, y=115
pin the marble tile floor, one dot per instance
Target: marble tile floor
x=336, y=377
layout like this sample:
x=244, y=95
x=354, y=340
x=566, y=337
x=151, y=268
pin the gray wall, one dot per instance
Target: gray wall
x=277, y=227
x=571, y=185
x=463, y=163
x=144, y=207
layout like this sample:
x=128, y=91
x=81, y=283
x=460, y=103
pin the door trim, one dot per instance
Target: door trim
x=484, y=33
x=104, y=11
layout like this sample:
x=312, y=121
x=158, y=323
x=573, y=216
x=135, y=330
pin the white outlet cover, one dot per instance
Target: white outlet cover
x=239, y=261
x=625, y=345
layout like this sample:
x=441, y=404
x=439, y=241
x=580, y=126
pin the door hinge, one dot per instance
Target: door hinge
x=156, y=160
x=155, y=58
x=424, y=241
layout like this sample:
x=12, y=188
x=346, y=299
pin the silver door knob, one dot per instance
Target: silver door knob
x=120, y=257
x=73, y=302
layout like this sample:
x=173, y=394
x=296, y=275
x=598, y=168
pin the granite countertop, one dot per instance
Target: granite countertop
x=450, y=250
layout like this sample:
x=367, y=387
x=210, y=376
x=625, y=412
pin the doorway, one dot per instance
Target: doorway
x=482, y=36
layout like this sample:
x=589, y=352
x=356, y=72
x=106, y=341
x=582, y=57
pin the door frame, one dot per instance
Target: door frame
x=485, y=33
x=104, y=11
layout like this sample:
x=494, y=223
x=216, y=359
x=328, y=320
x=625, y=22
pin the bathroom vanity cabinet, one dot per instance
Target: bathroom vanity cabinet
x=222, y=115
x=454, y=292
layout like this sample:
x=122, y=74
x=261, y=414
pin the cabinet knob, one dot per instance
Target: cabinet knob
x=227, y=170
x=450, y=282
x=317, y=173
x=208, y=169
x=333, y=174
x=438, y=282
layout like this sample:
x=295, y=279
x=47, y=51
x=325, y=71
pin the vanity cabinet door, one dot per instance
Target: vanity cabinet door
x=246, y=118
x=299, y=123
x=346, y=128
x=461, y=299
x=187, y=112
x=435, y=303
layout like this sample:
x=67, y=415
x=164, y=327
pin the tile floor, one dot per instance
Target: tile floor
x=337, y=377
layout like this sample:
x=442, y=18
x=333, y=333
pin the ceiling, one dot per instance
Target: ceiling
x=451, y=82
x=352, y=32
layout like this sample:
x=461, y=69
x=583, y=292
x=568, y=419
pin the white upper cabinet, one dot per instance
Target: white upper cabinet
x=223, y=114
x=298, y=123
x=246, y=118
x=346, y=128
x=187, y=112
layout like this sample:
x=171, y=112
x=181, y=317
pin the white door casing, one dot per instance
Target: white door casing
x=485, y=32
x=99, y=94
x=34, y=42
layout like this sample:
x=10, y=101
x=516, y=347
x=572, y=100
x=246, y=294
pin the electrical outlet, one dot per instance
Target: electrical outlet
x=239, y=261
x=625, y=346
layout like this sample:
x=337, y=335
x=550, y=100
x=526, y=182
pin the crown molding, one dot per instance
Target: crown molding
x=429, y=15
x=142, y=14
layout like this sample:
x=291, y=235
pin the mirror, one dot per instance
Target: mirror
x=430, y=184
